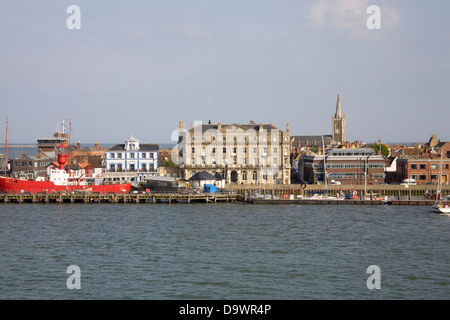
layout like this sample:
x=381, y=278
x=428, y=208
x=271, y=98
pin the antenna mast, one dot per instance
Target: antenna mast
x=68, y=146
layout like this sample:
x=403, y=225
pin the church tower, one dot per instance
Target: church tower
x=338, y=124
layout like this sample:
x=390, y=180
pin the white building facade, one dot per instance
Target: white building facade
x=240, y=153
x=132, y=161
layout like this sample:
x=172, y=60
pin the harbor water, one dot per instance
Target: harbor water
x=223, y=251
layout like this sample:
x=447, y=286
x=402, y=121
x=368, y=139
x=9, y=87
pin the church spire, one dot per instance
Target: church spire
x=338, y=108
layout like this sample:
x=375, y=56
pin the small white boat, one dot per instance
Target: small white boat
x=442, y=208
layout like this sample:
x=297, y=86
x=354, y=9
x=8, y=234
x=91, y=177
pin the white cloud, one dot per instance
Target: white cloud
x=348, y=15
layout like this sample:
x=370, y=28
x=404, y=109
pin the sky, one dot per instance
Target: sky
x=139, y=67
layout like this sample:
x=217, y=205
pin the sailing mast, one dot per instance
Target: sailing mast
x=437, y=201
x=324, y=167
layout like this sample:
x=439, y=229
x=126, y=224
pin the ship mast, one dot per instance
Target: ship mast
x=6, y=147
x=68, y=146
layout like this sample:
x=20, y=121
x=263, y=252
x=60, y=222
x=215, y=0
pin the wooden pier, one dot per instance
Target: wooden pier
x=342, y=202
x=119, y=198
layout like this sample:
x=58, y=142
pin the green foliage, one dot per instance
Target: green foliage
x=384, y=149
x=166, y=163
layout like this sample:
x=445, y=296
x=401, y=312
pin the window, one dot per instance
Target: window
x=213, y=150
x=413, y=176
x=244, y=175
x=422, y=177
x=275, y=162
x=434, y=177
x=119, y=167
x=193, y=150
x=234, y=160
x=244, y=161
x=111, y=155
x=132, y=167
x=224, y=150
x=265, y=177
x=132, y=155
x=234, y=150
x=255, y=176
x=422, y=166
x=413, y=166
x=265, y=152
x=244, y=150
x=144, y=166
x=144, y=155
x=119, y=156
x=275, y=150
x=254, y=150
x=112, y=167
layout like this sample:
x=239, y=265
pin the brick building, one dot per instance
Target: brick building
x=422, y=162
x=349, y=166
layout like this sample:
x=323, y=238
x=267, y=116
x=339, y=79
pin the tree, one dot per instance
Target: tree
x=384, y=149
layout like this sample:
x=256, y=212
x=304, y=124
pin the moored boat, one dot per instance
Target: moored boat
x=62, y=177
x=11, y=185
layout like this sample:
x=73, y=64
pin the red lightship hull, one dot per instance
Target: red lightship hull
x=9, y=185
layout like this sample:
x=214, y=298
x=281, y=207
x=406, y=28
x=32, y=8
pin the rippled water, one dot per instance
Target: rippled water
x=223, y=251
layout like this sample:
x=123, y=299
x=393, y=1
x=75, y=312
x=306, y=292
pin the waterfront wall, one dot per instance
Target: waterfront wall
x=297, y=189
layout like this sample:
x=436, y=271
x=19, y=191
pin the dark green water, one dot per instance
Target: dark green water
x=223, y=251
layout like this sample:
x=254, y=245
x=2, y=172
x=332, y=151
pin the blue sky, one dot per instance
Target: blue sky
x=138, y=67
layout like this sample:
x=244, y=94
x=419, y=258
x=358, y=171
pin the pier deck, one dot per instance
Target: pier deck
x=342, y=202
x=118, y=198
